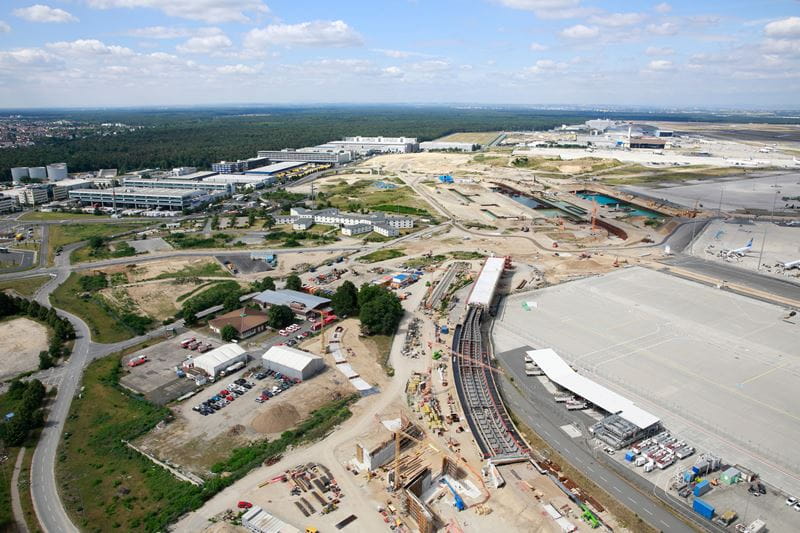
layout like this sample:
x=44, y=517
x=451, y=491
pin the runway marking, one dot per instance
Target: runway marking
x=761, y=375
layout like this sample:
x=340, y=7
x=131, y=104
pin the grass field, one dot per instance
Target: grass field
x=679, y=174
x=363, y=195
x=25, y=286
x=210, y=269
x=38, y=215
x=477, y=137
x=381, y=255
x=104, y=326
x=70, y=233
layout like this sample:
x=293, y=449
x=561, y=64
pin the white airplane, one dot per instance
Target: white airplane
x=791, y=264
x=739, y=252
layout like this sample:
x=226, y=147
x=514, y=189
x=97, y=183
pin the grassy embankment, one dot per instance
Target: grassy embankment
x=210, y=269
x=651, y=176
x=476, y=137
x=107, y=486
x=363, y=194
x=381, y=255
x=70, y=233
x=39, y=216
x=25, y=286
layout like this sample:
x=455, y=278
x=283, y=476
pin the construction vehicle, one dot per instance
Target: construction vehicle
x=589, y=517
x=458, y=503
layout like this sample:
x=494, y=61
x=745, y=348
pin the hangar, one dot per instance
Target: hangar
x=292, y=363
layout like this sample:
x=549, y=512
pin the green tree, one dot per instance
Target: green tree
x=228, y=333
x=345, y=299
x=215, y=222
x=294, y=283
x=380, y=310
x=269, y=221
x=96, y=242
x=45, y=361
x=231, y=301
x=279, y=316
x=266, y=284
x=251, y=219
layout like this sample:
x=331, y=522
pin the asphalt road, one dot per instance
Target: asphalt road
x=536, y=408
x=734, y=274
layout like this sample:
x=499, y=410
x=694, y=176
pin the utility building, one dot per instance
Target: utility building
x=219, y=360
x=292, y=363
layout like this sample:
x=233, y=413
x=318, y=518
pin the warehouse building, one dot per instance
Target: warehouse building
x=247, y=322
x=218, y=360
x=330, y=155
x=275, y=168
x=168, y=199
x=185, y=185
x=234, y=167
x=241, y=181
x=429, y=146
x=304, y=305
x=382, y=145
x=292, y=362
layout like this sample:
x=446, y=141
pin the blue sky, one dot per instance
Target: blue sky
x=170, y=52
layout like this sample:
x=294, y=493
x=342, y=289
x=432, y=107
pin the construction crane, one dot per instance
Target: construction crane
x=595, y=208
x=458, y=503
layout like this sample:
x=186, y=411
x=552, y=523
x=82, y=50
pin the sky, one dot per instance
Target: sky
x=681, y=54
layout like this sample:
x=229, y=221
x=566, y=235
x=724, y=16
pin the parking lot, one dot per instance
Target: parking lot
x=243, y=264
x=157, y=379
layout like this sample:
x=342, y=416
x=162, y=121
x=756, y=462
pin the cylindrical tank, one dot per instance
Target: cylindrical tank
x=57, y=171
x=37, y=173
x=17, y=173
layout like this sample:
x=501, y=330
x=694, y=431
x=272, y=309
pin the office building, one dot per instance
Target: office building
x=330, y=155
x=233, y=167
x=31, y=195
x=371, y=145
x=183, y=171
x=7, y=203
x=144, y=198
x=186, y=185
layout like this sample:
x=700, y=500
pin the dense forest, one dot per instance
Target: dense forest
x=202, y=136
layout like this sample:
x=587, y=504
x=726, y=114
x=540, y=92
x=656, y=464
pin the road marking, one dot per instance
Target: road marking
x=631, y=500
x=546, y=433
x=648, y=511
x=590, y=469
x=604, y=479
x=665, y=524
x=617, y=489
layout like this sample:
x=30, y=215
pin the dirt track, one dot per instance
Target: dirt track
x=22, y=340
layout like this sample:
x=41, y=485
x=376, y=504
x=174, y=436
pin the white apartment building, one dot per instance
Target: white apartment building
x=302, y=219
x=356, y=229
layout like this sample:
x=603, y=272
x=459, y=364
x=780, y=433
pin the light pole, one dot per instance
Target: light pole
x=764, y=239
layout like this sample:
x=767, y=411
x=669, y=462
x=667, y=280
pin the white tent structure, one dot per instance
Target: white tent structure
x=219, y=359
x=291, y=362
x=483, y=291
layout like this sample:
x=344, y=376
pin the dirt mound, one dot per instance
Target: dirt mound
x=276, y=419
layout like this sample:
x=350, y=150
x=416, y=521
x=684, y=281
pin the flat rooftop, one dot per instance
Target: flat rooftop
x=720, y=370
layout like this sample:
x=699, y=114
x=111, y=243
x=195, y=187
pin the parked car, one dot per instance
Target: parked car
x=244, y=505
x=791, y=500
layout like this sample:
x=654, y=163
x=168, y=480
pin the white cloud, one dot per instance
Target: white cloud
x=788, y=27
x=392, y=72
x=161, y=32
x=579, y=31
x=665, y=28
x=544, y=66
x=88, y=48
x=399, y=54
x=660, y=65
x=25, y=56
x=214, y=42
x=43, y=13
x=663, y=7
x=659, y=51
x=538, y=47
x=237, y=69
x=4, y=27
x=212, y=11
x=434, y=65
x=789, y=47
x=550, y=9
x=617, y=20
x=314, y=33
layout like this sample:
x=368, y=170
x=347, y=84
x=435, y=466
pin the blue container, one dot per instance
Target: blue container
x=695, y=470
x=688, y=476
x=445, y=329
x=702, y=487
x=703, y=509
x=630, y=456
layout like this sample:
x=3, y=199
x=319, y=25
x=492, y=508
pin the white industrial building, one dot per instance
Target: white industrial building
x=182, y=171
x=169, y=199
x=486, y=284
x=57, y=171
x=186, y=185
x=369, y=145
x=219, y=359
x=292, y=362
x=428, y=146
x=321, y=154
x=258, y=520
x=241, y=180
x=275, y=168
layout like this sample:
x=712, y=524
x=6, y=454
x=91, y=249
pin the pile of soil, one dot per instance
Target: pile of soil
x=276, y=419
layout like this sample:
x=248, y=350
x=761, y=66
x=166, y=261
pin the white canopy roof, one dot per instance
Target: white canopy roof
x=483, y=291
x=289, y=357
x=218, y=356
x=558, y=371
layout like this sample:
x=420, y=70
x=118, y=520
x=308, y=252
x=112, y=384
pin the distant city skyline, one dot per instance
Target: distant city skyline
x=94, y=53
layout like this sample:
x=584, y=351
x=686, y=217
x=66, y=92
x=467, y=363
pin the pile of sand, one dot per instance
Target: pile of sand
x=276, y=419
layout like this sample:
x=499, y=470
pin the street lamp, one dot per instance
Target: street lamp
x=764, y=239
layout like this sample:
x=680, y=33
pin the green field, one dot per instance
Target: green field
x=362, y=194
x=210, y=269
x=652, y=176
x=70, y=233
x=25, y=286
x=105, y=327
x=381, y=255
x=38, y=215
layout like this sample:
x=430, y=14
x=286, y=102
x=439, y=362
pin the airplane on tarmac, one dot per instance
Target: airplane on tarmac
x=738, y=252
x=788, y=265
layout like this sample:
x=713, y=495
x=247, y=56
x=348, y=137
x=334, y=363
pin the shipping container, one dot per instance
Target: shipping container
x=702, y=488
x=630, y=456
x=703, y=509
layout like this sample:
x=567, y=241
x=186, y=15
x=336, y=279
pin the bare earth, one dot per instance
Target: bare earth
x=22, y=340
